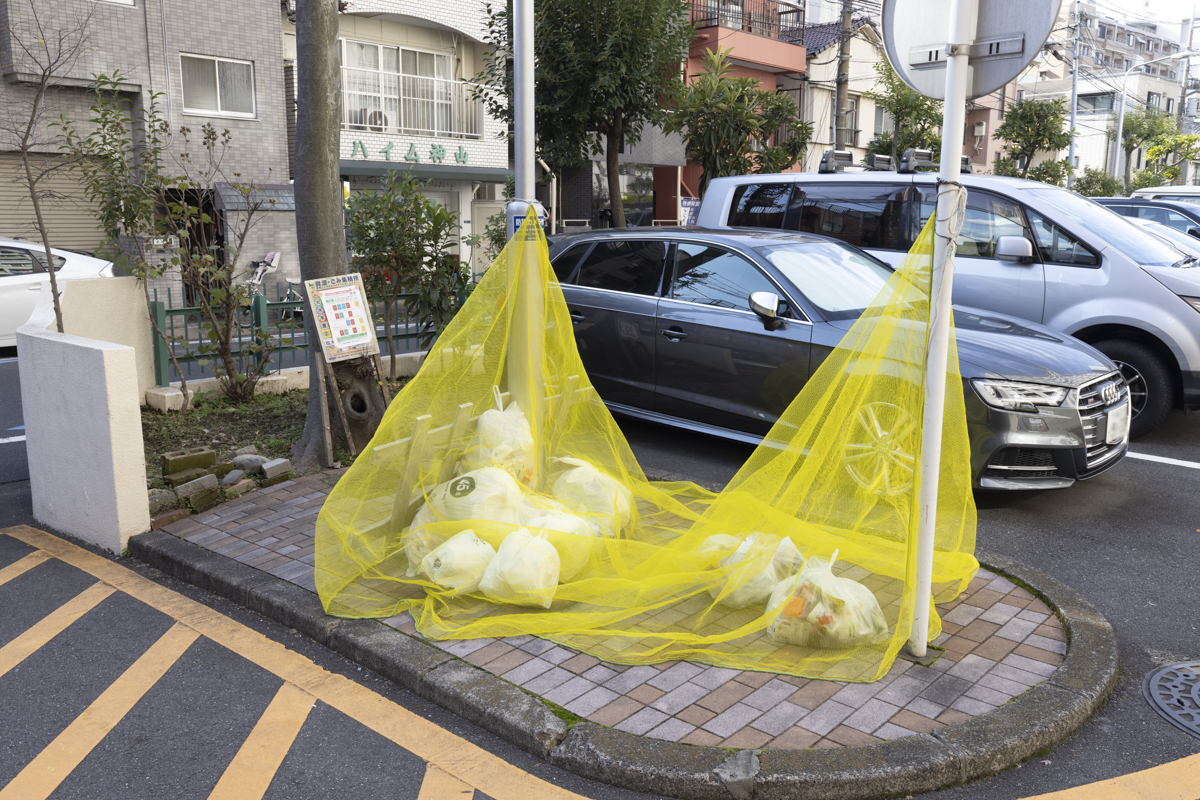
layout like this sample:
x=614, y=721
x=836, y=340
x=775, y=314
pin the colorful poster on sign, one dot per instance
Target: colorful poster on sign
x=344, y=320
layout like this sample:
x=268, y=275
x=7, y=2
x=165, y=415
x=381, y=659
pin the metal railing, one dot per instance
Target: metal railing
x=385, y=102
x=761, y=17
x=280, y=319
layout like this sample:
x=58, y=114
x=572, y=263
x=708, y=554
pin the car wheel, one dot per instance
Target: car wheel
x=880, y=453
x=1150, y=390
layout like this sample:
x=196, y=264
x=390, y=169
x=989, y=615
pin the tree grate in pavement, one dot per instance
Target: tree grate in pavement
x=1174, y=692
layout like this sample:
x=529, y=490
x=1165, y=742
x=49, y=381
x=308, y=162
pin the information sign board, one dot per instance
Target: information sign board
x=343, y=317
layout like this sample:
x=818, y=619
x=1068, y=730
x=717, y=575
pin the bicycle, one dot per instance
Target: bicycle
x=254, y=286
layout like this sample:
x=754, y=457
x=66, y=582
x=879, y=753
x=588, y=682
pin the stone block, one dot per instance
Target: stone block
x=271, y=384
x=177, y=479
x=240, y=488
x=248, y=450
x=166, y=398
x=221, y=470
x=232, y=477
x=189, y=458
x=162, y=520
x=206, y=499
x=201, y=484
x=280, y=466
x=287, y=476
x=161, y=500
x=249, y=463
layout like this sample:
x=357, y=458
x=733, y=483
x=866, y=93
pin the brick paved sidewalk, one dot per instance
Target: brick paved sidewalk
x=999, y=639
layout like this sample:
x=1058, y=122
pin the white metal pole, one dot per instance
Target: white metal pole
x=1074, y=93
x=1117, y=173
x=963, y=17
x=523, y=99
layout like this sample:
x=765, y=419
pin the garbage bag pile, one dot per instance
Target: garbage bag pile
x=500, y=498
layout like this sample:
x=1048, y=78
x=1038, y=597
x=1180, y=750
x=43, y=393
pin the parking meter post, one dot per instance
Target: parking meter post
x=963, y=15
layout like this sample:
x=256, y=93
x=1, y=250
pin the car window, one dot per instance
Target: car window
x=1124, y=211
x=623, y=266
x=839, y=281
x=1057, y=246
x=760, y=205
x=861, y=215
x=713, y=276
x=987, y=218
x=1180, y=198
x=1100, y=221
x=40, y=257
x=15, y=262
x=564, y=264
x=1167, y=217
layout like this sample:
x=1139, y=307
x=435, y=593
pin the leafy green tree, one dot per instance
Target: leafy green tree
x=1030, y=127
x=1050, y=171
x=601, y=70
x=1097, y=183
x=728, y=123
x=1141, y=127
x=1175, y=148
x=1146, y=178
x=916, y=118
x=140, y=191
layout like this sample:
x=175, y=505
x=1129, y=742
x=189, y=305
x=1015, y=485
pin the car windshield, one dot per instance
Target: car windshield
x=839, y=281
x=1108, y=226
x=1185, y=243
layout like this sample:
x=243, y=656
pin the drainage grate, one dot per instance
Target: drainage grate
x=1174, y=692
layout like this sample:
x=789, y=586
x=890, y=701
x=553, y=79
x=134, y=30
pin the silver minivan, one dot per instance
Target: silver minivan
x=1027, y=249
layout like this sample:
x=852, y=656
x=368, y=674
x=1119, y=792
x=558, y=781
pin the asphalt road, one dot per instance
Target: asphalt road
x=1127, y=540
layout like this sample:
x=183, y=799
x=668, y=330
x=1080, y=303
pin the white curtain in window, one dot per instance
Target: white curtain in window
x=237, y=87
x=199, y=84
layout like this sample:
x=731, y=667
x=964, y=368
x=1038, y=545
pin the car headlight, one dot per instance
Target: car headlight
x=1012, y=396
x=1194, y=302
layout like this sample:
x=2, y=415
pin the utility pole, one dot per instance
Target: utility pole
x=842, y=99
x=1074, y=93
x=1187, y=68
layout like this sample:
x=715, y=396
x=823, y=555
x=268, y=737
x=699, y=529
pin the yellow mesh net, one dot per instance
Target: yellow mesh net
x=500, y=498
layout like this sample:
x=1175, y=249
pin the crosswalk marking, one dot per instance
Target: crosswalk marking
x=250, y=773
x=20, y=567
x=51, y=766
x=52, y=625
x=441, y=785
x=456, y=756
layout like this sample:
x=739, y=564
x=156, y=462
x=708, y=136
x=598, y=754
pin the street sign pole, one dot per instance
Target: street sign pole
x=963, y=15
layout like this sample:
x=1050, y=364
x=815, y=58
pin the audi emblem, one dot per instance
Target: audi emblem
x=1110, y=393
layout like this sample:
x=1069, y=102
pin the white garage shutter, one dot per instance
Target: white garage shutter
x=68, y=221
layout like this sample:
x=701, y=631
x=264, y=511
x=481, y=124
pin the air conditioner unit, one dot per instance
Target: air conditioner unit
x=981, y=129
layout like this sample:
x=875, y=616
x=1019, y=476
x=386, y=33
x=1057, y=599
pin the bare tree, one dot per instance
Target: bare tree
x=320, y=234
x=43, y=49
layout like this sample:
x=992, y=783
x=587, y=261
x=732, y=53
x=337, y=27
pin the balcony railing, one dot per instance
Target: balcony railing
x=408, y=104
x=761, y=17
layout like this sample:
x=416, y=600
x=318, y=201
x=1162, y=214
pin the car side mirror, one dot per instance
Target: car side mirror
x=765, y=304
x=1194, y=232
x=1014, y=248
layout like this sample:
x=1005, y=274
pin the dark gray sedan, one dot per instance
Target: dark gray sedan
x=716, y=331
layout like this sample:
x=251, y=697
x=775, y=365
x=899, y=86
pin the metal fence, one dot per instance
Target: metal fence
x=281, y=319
x=761, y=17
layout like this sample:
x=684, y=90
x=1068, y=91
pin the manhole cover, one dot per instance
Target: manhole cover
x=1174, y=692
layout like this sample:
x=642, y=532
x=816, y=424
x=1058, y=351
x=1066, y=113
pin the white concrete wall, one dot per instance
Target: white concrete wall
x=113, y=310
x=83, y=428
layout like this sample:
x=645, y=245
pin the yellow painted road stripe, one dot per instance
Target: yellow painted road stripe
x=52, y=625
x=1178, y=780
x=490, y=774
x=21, y=566
x=441, y=785
x=43, y=775
x=250, y=773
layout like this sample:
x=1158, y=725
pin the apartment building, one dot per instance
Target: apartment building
x=215, y=62
x=407, y=103
x=1114, y=54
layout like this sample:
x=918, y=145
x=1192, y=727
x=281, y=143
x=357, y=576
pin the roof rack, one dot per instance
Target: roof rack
x=880, y=163
x=835, y=161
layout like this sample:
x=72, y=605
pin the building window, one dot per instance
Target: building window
x=1095, y=103
x=1086, y=50
x=1102, y=32
x=1153, y=99
x=884, y=121
x=217, y=86
x=397, y=89
x=1170, y=103
x=1172, y=75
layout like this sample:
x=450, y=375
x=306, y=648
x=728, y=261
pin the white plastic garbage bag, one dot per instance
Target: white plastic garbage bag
x=524, y=571
x=572, y=536
x=459, y=562
x=786, y=560
x=586, y=490
x=502, y=439
x=485, y=494
x=818, y=609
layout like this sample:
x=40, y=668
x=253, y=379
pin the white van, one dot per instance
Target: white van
x=1180, y=194
x=1027, y=249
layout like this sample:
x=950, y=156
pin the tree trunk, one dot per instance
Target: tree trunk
x=895, y=140
x=612, y=151
x=319, y=225
x=1129, y=167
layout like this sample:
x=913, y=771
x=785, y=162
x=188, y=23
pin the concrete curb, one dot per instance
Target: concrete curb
x=999, y=739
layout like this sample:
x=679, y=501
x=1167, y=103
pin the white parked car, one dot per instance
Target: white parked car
x=20, y=282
